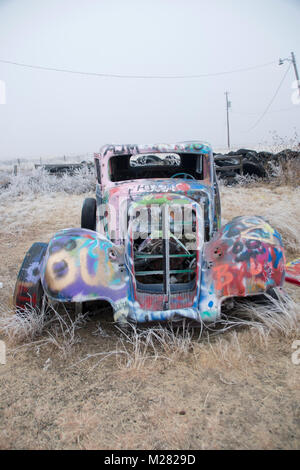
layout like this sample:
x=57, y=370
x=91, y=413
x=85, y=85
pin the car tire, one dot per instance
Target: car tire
x=29, y=292
x=88, y=214
x=250, y=168
x=244, y=151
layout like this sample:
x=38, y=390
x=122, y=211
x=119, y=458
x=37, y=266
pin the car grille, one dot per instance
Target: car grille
x=165, y=257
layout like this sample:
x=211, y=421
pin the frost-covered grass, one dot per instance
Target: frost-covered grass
x=82, y=383
x=46, y=326
x=37, y=202
x=135, y=346
x=285, y=173
x=38, y=181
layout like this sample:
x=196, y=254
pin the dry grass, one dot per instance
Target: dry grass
x=48, y=326
x=140, y=347
x=80, y=383
x=277, y=204
x=272, y=316
x=136, y=347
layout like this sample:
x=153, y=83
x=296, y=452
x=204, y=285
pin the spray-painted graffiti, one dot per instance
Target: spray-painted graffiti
x=246, y=257
x=158, y=251
x=81, y=265
x=134, y=149
x=293, y=272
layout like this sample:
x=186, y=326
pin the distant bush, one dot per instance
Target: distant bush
x=285, y=172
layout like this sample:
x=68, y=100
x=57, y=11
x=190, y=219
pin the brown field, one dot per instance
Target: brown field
x=89, y=387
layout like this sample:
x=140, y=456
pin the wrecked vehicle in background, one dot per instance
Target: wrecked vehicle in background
x=151, y=242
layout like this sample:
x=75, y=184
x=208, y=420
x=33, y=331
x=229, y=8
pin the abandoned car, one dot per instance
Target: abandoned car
x=151, y=242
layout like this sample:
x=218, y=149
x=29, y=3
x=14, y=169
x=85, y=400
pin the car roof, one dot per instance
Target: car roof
x=197, y=147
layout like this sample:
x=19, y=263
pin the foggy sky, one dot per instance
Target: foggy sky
x=49, y=113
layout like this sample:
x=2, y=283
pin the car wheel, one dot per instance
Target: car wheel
x=88, y=214
x=29, y=292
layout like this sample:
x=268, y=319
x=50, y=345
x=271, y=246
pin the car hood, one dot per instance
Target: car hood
x=136, y=188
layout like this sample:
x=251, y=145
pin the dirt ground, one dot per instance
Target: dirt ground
x=240, y=390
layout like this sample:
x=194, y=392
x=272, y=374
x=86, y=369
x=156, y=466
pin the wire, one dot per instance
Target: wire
x=272, y=100
x=270, y=112
x=111, y=75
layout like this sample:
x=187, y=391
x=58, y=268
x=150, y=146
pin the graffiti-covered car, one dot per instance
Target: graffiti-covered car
x=151, y=242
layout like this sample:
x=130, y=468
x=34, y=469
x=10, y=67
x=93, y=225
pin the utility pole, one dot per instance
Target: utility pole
x=228, y=105
x=293, y=61
x=296, y=70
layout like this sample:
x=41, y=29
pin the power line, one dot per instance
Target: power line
x=272, y=100
x=270, y=112
x=111, y=75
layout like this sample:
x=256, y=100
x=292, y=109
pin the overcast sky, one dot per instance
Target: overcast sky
x=49, y=113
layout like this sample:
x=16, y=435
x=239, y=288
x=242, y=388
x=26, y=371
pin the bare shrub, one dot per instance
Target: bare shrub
x=163, y=341
x=53, y=327
x=271, y=315
x=63, y=332
x=285, y=173
x=246, y=180
x=24, y=326
x=280, y=143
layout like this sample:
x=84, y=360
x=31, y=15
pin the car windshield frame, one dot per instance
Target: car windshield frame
x=119, y=168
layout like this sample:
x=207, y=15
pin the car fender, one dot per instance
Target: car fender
x=81, y=265
x=244, y=258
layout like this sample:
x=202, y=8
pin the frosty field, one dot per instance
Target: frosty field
x=85, y=384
